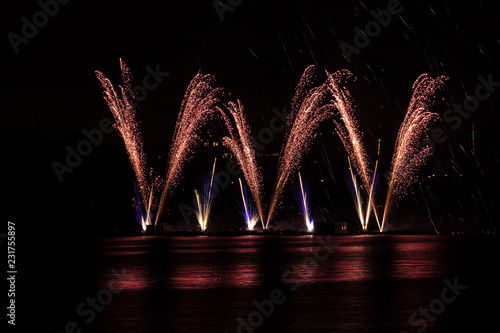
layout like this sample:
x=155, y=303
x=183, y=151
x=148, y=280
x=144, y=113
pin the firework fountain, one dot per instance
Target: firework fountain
x=121, y=105
x=144, y=214
x=348, y=131
x=197, y=107
x=248, y=210
x=371, y=202
x=357, y=197
x=302, y=198
x=205, y=201
x=312, y=103
x=241, y=145
x=408, y=157
x=309, y=107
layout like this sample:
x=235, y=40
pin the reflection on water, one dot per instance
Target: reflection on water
x=367, y=284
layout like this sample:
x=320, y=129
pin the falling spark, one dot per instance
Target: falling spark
x=241, y=145
x=408, y=157
x=302, y=197
x=428, y=210
x=205, y=202
x=121, y=105
x=473, y=142
x=197, y=107
x=248, y=210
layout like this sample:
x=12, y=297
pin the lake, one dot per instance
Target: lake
x=372, y=283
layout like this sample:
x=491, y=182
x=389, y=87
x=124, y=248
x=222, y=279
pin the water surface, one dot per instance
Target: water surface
x=203, y=284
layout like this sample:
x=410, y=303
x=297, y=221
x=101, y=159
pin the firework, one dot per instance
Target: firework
x=348, y=131
x=309, y=107
x=144, y=214
x=302, y=198
x=241, y=145
x=347, y=126
x=353, y=185
x=408, y=157
x=371, y=202
x=121, y=105
x=204, y=203
x=197, y=107
x=248, y=211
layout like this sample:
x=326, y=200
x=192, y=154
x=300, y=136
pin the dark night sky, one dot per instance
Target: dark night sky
x=257, y=53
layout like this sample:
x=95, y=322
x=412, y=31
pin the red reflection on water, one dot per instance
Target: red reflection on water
x=417, y=258
x=126, y=278
x=352, y=264
x=195, y=250
x=370, y=258
x=205, y=276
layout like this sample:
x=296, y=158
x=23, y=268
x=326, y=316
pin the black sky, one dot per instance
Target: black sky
x=257, y=53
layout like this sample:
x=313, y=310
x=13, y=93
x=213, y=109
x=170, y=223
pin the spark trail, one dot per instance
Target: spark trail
x=241, y=145
x=356, y=194
x=197, y=107
x=346, y=125
x=408, y=157
x=302, y=198
x=121, y=106
x=205, y=202
x=248, y=210
x=144, y=214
